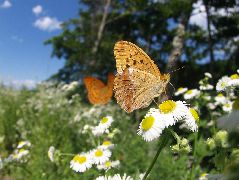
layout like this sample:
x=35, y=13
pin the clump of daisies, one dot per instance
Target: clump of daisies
x=204, y=83
x=21, y=153
x=167, y=114
x=70, y=87
x=227, y=82
x=98, y=157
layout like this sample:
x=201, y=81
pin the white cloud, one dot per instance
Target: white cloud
x=28, y=83
x=6, y=4
x=16, y=38
x=48, y=23
x=37, y=9
x=199, y=16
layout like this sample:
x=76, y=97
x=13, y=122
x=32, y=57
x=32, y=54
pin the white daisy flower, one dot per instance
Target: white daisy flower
x=220, y=99
x=206, y=87
x=1, y=163
x=106, y=145
x=113, y=133
x=204, y=176
x=172, y=111
x=20, y=154
x=87, y=128
x=207, y=97
x=106, y=122
x=211, y=106
x=104, y=178
x=108, y=165
x=238, y=71
x=141, y=176
x=227, y=107
x=222, y=83
x=72, y=85
x=100, y=156
x=192, y=93
x=77, y=117
x=234, y=80
x=124, y=177
x=23, y=143
x=152, y=125
x=81, y=162
x=50, y=153
x=180, y=90
x=190, y=121
x=207, y=74
x=103, y=126
x=97, y=131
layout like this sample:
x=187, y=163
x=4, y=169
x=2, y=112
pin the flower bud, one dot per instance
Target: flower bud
x=221, y=139
x=211, y=144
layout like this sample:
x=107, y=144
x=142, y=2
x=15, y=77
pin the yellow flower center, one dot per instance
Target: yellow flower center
x=194, y=114
x=98, y=153
x=104, y=120
x=79, y=159
x=220, y=95
x=15, y=156
x=234, y=76
x=189, y=91
x=236, y=104
x=227, y=105
x=147, y=123
x=20, y=143
x=180, y=89
x=223, y=84
x=167, y=106
x=106, y=143
x=108, y=164
x=21, y=150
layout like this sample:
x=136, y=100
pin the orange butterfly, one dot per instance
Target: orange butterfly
x=98, y=92
x=138, y=80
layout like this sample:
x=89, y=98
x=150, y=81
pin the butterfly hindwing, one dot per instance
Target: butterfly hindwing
x=98, y=92
x=135, y=89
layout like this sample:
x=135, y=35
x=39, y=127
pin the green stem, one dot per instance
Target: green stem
x=162, y=144
x=175, y=135
x=194, y=154
x=66, y=154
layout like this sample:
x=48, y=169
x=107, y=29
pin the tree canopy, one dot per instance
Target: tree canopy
x=86, y=43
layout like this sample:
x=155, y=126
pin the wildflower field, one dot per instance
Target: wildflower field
x=119, y=90
x=52, y=133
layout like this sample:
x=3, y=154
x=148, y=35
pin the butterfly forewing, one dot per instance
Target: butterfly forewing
x=128, y=55
x=138, y=80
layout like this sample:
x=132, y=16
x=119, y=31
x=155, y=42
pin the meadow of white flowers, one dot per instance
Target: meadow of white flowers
x=51, y=132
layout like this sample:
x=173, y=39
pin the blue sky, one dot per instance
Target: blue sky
x=24, y=26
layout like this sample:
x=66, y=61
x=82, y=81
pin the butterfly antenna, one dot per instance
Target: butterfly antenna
x=176, y=69
x=172, y=86
x=155, y=102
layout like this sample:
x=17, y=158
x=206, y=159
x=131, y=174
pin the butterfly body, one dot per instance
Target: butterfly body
x=138, y=80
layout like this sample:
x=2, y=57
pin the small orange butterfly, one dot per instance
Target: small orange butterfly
x=98, y=92
x=138, y=80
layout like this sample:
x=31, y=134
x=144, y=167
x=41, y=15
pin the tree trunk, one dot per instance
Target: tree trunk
x=210, y=40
